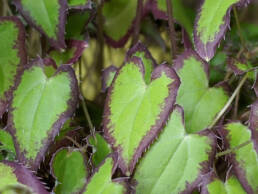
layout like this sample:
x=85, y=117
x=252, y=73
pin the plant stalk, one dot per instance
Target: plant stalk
x=241, y=83
x=172, y=32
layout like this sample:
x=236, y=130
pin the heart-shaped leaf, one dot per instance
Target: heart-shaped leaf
x=134, y=113
x=101, y=181
x=12, y=56
x=200, y=102
x=76, y=24
x=213, y=185
x=176, y=162
x=253, y=121
x=13, y=175
x=211, y=25
x=39, y=108
x=180, y=13
x=100, y=148
x=47, y=16
x=119, y=12
x=71, y=55
x=70, y=170
x=79, y=4
x=245, y=158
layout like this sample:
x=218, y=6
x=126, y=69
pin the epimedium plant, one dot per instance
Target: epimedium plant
x=165, y=128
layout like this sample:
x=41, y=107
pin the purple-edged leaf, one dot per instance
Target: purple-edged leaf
x=107, y=77
x=47, y=16
x=213, y=185
x=70, y=170
x=12, y=56
x=79, y=4
x=119, y=12
x=211, y=24
x=101, y=181
x=180, y=13
x=176, y=162
x=245, y=158
x=201, y=103
x=255, y=86
x=76, y=24
x=133, y=103
x=15, y=178
x=239, y=68
x=71, y=55
x=100, y=148
x=39, y=108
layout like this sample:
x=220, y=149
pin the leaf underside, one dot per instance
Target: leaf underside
x=245, y=159
x=201, y=103
x=133, y=103
x=211, y=25
x=179, y=168
x=69, y=168
x=30, y=122
x=47, y=16
x=12, y=56
x=14, y=176
x=101, y=182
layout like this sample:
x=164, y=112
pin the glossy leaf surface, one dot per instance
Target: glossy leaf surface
x=177, y=169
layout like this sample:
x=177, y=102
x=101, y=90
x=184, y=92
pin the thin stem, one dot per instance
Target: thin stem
x=228, y=151
x=73, y=141
x=84, y=106
x=172, y=33
x=239, y=28
x=137, y=22
x=236, y=105
x=229, y=101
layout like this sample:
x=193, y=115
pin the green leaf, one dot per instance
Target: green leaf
x=39, y=108
x=75, y=26
x=69, y=168
x=118, y=12
x=245, y=159
x=6, y=143
x=211, y=25
x=176, y=162
x=201, y=103
x=241, y=67
x=101, y=182
x=71, y=55
x=100, y=148
x=79, y=4
x=133, y=103
x=108, y=76
x=12, y=56
x=13, y=175
x=47, y=16
x=216, y=186
x=180, y=13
